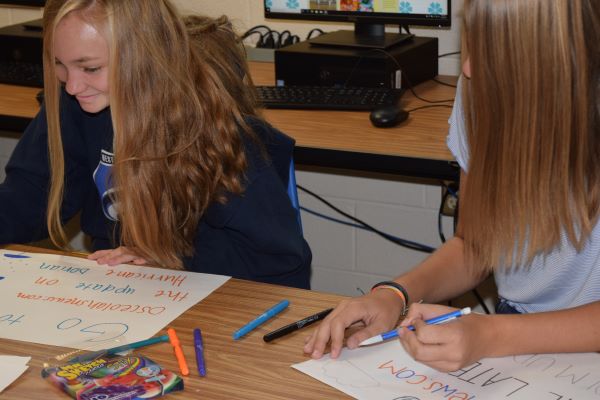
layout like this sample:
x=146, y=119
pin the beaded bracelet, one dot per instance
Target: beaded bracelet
x=396, y=288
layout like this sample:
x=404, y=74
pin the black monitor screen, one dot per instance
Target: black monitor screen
x=410, y=12
x=30, y=3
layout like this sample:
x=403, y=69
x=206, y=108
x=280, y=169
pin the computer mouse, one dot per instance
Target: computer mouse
x=388, y=116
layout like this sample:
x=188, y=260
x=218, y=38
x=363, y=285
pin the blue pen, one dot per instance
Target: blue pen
x=199, y=347
x=441, y=319
x=270, y=313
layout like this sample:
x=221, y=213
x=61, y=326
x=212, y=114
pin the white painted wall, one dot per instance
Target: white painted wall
x=249, y=13
x=344, y=258
x=10, y=15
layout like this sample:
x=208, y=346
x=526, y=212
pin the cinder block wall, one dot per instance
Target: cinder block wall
x=347, y=258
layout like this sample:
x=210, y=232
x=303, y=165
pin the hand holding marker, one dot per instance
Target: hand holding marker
x=441, y=319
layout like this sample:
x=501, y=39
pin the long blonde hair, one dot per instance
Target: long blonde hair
x=532, y=120
x=177, y=141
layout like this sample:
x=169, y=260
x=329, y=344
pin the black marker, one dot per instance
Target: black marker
x=296, y=325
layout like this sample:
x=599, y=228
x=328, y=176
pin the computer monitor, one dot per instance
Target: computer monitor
x=29, y=3
x=369, y=18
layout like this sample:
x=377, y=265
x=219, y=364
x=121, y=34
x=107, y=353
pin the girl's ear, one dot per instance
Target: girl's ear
x=467, y=68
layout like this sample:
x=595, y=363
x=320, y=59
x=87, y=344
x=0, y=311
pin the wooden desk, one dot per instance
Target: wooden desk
x=336, y=139
x=18, y=106
x=346, y=139
x=245, y=369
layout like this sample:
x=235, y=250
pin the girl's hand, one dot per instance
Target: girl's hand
x=378, y=311
x=445, y=347
x=120, y=255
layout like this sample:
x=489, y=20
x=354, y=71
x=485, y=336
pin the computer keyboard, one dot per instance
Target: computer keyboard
x=21, y=73
x=327, y=98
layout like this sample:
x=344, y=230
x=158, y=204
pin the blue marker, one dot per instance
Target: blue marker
x=270, y=313
x=119, y=349
x=441, y=319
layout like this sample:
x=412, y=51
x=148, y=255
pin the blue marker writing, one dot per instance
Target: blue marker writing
x=441, y=319
x=15, y=255
x=270, y=313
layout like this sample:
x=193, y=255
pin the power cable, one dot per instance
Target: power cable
x=402, y=242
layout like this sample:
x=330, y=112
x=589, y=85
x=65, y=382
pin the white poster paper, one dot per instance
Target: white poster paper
x=74, y=302
x=11, y=367
x=386, y=372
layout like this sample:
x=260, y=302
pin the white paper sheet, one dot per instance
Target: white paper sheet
x=11, y=367
x=73, y=302
x=386, y=372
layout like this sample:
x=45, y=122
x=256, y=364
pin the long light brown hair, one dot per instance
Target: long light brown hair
x=177, y=141
x=222, y=48
x=532, y=120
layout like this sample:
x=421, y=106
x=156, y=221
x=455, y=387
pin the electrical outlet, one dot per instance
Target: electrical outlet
x=451, y=201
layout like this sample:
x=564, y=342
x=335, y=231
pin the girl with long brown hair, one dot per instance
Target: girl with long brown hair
x=150, y=131
x=525, y=131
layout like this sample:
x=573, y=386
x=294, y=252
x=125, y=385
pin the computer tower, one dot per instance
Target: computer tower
x=304, y=64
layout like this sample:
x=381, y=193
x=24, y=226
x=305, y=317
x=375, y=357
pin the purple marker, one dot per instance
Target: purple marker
x=199, y=347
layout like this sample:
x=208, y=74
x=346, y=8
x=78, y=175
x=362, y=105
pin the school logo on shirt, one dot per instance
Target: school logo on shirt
x=102, y=176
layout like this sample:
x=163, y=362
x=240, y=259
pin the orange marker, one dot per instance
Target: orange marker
x=178, y=352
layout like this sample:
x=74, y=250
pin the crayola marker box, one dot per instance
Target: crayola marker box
x=114, y=378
